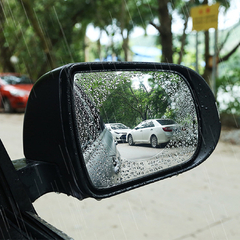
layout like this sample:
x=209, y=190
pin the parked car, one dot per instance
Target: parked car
x=14, y=91
x=153, y=131
x=119, y=131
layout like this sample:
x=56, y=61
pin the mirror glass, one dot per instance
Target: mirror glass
x=133, y=123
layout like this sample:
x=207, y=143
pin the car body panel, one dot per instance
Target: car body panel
x=16, y=94
x=118, y=130
x=145, y=130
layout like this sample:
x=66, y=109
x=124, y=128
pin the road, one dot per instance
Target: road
x=137, y=152
x=200, y=204
x=140, y=152
x=146, y=152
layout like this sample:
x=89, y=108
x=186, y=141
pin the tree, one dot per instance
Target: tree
x=208, y=68
x=44, y=35
x=131, y=106
x=164, y=28
x=228, y=85
x=162, y=16
x=5, y=49
x=162, y=12
x=127, y=97
x=135, y=101
x=131, y=14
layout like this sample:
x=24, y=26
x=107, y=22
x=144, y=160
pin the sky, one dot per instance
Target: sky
x=225, y=20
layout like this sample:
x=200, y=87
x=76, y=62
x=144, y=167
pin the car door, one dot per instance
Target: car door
x=137, y=133
x=147, y=131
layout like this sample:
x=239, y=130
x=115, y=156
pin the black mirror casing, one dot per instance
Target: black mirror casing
x=51, y=139
x=46, y=137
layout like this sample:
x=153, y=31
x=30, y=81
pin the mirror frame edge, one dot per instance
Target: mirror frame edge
x=78, y=184
x=206, y=145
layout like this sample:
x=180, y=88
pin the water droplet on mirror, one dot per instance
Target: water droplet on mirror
x=113, y=95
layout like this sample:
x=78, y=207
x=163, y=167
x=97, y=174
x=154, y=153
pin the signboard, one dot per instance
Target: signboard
x=205, y=17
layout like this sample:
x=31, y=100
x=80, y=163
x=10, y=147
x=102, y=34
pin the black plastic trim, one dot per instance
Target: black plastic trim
x=50, y=134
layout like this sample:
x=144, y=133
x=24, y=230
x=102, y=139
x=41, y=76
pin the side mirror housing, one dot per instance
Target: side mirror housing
x=66, y=144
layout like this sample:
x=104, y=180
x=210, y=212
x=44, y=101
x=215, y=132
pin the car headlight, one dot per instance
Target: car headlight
x=18, y=93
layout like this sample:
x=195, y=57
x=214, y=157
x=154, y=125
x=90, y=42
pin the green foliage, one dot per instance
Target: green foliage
x=63, y=24
x=131, y=106
x=56, y=21
x=228, y=88
x=126, y=97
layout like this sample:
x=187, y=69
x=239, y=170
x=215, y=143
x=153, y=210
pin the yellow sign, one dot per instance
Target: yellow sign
x=205, y=17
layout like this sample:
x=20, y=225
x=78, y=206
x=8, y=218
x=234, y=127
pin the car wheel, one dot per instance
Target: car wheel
x=130, y=140
x=7, y=106
x=154, y=141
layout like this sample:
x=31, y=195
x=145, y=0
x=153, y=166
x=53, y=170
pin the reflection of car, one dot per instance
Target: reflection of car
x=103, y=159
x=119, y=131
x=14, y=91
x=154, y=131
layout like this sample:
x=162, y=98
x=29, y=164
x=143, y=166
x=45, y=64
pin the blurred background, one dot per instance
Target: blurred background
x=37, y=36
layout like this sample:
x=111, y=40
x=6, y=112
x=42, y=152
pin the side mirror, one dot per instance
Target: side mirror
x=68, y=149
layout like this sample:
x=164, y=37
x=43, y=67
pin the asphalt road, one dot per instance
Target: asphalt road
x=138, y=151
x=201, y=204
x=145, y=152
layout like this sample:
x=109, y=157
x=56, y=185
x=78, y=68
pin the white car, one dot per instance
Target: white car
x=153, y=131
x=118, y=130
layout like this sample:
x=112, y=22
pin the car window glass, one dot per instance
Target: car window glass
x=151, y=124
x=165, y=121
x=140, y=126
x=118, y=126
x=145, y=125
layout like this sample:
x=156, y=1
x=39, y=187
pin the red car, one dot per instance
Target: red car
x=14, y=91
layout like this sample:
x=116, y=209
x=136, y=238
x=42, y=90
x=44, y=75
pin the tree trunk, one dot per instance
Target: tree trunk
x=99, y=46
x=122, y=24
x=183, y=41
x=45, y=41
x=5, y=51
x=165, y=30
x=125, y=47
x=207, y=70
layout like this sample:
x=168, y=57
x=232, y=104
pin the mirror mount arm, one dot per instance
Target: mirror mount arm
x=16, y=207
x=13, y=195
x=38, y=178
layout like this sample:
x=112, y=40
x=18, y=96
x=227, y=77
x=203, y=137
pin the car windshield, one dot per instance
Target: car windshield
x=118, y=126
x=13, y=80
x=165, y=121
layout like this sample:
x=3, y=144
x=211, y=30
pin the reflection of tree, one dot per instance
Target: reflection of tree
x=130, y=97
x=130, y=105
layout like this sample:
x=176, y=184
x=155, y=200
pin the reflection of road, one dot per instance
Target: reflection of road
x=140, y=152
